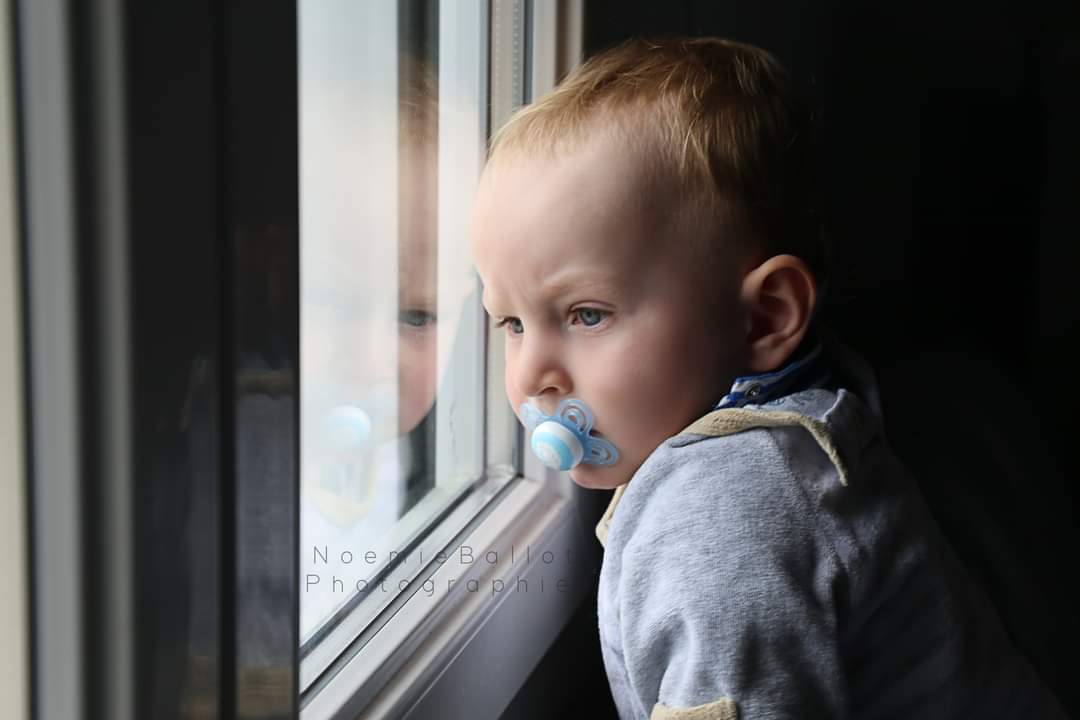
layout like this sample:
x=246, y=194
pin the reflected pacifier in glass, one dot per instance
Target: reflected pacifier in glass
x=345, y=421
x=349, y=439
x=562, y=440
x=348, y=427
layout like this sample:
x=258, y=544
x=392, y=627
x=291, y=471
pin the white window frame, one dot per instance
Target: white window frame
x=466, y=654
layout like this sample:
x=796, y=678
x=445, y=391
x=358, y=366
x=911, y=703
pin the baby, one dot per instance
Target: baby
x=647, y=238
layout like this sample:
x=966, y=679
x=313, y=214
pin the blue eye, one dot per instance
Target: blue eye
x=591, y=317
x=515, y=325
x=416, y=318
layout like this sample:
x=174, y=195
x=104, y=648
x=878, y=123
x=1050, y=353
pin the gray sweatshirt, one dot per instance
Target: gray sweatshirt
x=777, y=561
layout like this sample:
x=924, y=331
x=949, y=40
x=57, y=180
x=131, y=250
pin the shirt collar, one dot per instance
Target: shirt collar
x=808, y=371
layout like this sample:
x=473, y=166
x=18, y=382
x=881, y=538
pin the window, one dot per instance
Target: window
x=245, y=244
x=413, y=493
x=404, y=438
x=392, y=131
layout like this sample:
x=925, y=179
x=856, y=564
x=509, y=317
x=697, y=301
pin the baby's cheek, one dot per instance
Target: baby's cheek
x=416, y=379
x=513, y=397
x=634, y=432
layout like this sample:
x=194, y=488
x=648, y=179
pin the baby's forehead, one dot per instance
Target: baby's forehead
x=595, y=201
x=592, y=181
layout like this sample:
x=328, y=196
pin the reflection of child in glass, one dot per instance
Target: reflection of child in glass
x=647, y=239
x=364, y=363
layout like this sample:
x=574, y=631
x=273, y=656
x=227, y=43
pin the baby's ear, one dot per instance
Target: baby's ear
x=778, y=300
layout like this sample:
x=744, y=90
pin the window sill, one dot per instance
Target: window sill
x=466, y=651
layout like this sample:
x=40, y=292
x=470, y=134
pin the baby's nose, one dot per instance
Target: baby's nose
x=539, y=373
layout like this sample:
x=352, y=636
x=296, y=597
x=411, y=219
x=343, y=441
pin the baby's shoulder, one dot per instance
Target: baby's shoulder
x=815, y=436
x=715, y=491
x=781, y=465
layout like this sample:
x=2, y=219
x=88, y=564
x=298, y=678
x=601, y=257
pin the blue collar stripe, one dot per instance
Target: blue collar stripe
x=807, y=372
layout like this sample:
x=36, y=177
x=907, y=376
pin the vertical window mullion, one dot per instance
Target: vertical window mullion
x=261, y=227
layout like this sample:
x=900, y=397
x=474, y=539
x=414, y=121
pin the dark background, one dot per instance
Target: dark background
x=951, y=163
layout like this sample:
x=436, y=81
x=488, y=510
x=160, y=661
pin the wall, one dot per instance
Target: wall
x=14, y=620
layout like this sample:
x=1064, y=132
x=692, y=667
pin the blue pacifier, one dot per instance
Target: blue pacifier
x=348, y=427
x=562, y=440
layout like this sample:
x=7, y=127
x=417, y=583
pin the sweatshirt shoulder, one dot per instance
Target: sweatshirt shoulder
x=703, y=491
x=712, y=483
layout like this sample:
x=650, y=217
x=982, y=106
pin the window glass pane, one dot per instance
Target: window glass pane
x=392, y=364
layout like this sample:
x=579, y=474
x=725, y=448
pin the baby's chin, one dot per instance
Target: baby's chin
x=599, y=477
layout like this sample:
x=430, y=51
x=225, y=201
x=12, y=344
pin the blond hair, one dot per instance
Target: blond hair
x=717, y=118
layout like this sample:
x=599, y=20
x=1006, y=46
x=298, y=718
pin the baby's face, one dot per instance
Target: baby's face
x=600, y=299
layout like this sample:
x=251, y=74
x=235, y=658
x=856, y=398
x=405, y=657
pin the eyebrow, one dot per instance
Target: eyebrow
x=416, y=299
x=583, y=281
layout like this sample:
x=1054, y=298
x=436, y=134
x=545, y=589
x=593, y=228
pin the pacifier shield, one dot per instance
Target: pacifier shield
x=563, y=441
x=348, y=427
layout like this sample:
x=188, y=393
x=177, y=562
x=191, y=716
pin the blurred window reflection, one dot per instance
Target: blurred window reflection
x=392, y=381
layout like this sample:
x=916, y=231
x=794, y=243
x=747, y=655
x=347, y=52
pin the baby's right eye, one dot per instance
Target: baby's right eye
x=514, y=324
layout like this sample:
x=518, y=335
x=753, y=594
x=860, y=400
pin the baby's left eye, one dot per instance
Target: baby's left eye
x=591, y=317
x=416, y=318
